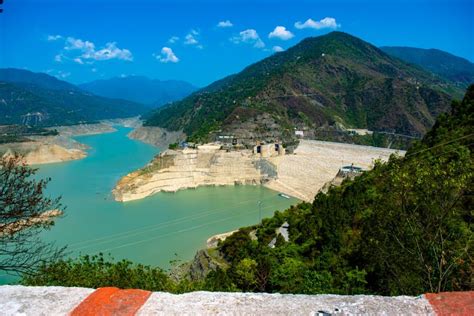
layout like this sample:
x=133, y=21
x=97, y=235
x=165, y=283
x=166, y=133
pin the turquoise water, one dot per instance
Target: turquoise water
x=154, y=230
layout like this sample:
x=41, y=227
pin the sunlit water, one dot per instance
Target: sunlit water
x=154, y=230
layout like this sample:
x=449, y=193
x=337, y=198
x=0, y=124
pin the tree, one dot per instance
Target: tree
x=22, y=218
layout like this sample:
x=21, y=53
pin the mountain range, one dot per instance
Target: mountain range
x=140, y=89
x=327, y=83
x=446, y=65
x=38, y=99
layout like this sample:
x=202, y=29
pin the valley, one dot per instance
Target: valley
x=307, y=157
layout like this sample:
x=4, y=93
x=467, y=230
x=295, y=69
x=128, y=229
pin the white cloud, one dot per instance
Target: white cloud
x=58, y=58
x=277, y=49
x=249, y=36
x=225, y=23
x=173, y=39
x=60, y=74
x=52, y=38
x=327, y=22
x=87, y=51
x=78, y=44
x=282, y=33
x=94, y=69
x=167, y=56
x=191, y=38
x=111, y=51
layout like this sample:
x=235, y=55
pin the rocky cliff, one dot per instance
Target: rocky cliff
x=189, y=168
x=156, y=136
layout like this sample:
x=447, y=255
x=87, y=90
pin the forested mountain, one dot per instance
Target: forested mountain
x=451, y=67
x=38, y=99
x=330, y=82
x=141, y=89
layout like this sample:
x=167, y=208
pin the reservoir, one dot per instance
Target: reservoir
x=155, y=230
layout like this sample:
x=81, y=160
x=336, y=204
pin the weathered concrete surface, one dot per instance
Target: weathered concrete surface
x=53, y=300
x=209, y=303
x=20, y=300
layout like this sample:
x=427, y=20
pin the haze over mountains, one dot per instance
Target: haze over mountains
x=41, y=100
x=140, y=89
x=330, y=82
x=454, y=68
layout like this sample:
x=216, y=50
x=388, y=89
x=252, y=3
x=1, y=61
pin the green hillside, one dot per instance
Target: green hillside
x=41, y=100
x=454, y=68
x=324, y=83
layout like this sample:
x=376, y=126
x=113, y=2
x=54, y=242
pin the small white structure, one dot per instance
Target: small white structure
x=299, y=133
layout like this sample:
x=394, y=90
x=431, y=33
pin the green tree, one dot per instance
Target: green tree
x=246, y=274
x=22, y=218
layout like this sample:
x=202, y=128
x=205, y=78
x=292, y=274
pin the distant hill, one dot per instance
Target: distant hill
x=141, y=89
x=41, y=80
x=324, y=83
x=449, y=66
x=38, y=99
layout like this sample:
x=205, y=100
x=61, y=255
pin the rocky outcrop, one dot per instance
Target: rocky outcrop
x=204, y=262
x=156, y=136
x=42, y=152
x=189, y=168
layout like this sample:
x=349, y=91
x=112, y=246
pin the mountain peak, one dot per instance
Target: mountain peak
x=323, y=83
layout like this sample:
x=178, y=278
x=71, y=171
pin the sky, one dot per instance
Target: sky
x=203, y=41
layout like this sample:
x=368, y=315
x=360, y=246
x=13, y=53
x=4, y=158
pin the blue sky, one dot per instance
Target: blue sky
x=80, y=41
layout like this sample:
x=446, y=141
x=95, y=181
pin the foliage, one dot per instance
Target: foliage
x=173, y=146
x=95, y=271
x=22, y=200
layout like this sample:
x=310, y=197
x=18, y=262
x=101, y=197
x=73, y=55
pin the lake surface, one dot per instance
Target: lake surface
x=154, y=230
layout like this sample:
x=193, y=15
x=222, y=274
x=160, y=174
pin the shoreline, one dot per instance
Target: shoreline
x=300, y=175
x=63, y=147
